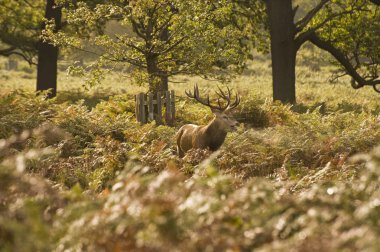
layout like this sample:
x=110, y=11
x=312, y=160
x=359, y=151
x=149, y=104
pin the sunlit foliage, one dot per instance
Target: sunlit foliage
x=75, y=178
x=156, y=39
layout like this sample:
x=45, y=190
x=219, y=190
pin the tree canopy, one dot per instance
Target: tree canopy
x=20, y=24
x=159, y=38
x=350, y=32
x=348, y=29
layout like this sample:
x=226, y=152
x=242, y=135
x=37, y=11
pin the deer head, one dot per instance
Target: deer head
x=223, y=115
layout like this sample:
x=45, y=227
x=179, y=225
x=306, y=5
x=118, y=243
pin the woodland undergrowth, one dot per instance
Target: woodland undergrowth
x=90, y=178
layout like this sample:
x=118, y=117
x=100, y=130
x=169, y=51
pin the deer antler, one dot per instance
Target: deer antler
x=222, y=95
x=235, y=104
x=227, y=97
x=195, y=95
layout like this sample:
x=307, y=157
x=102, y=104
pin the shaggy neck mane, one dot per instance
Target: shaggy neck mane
x=215, y=134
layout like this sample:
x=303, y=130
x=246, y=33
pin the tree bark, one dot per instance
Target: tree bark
x=158, y=82
x=153, y=78
x=48, y=54
x=158, y=79
x=283, y=49
x=164, y=75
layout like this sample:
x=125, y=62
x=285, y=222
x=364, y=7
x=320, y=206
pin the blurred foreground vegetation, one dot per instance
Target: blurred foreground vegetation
x=78, y=173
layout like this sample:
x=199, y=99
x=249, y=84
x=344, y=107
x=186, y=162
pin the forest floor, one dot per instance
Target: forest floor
x=78, y=173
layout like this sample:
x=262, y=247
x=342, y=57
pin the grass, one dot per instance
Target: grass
x=81, y=169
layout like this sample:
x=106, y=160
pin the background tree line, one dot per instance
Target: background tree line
x=212, y=39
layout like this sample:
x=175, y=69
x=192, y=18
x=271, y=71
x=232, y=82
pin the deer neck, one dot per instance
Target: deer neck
x=216, y=134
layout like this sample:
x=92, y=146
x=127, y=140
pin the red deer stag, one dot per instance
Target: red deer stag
x=213, y=134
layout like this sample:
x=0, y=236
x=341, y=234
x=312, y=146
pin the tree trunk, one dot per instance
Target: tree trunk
x=48, y=55
x=164, y=81
x=164, y=74
x=158, y=80
x=153, y=78
x=283, y=49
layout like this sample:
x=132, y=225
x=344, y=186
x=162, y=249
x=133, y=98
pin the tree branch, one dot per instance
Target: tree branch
x=342, y=59
x=300, y=25
x=136, y=28
x=7, y=51
x=164, y=24
x=304, y=36
x=131, y=45
x=13, y=51
x=30, y=5
x=131, y=61
x=173, y=45
x=377, y=2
